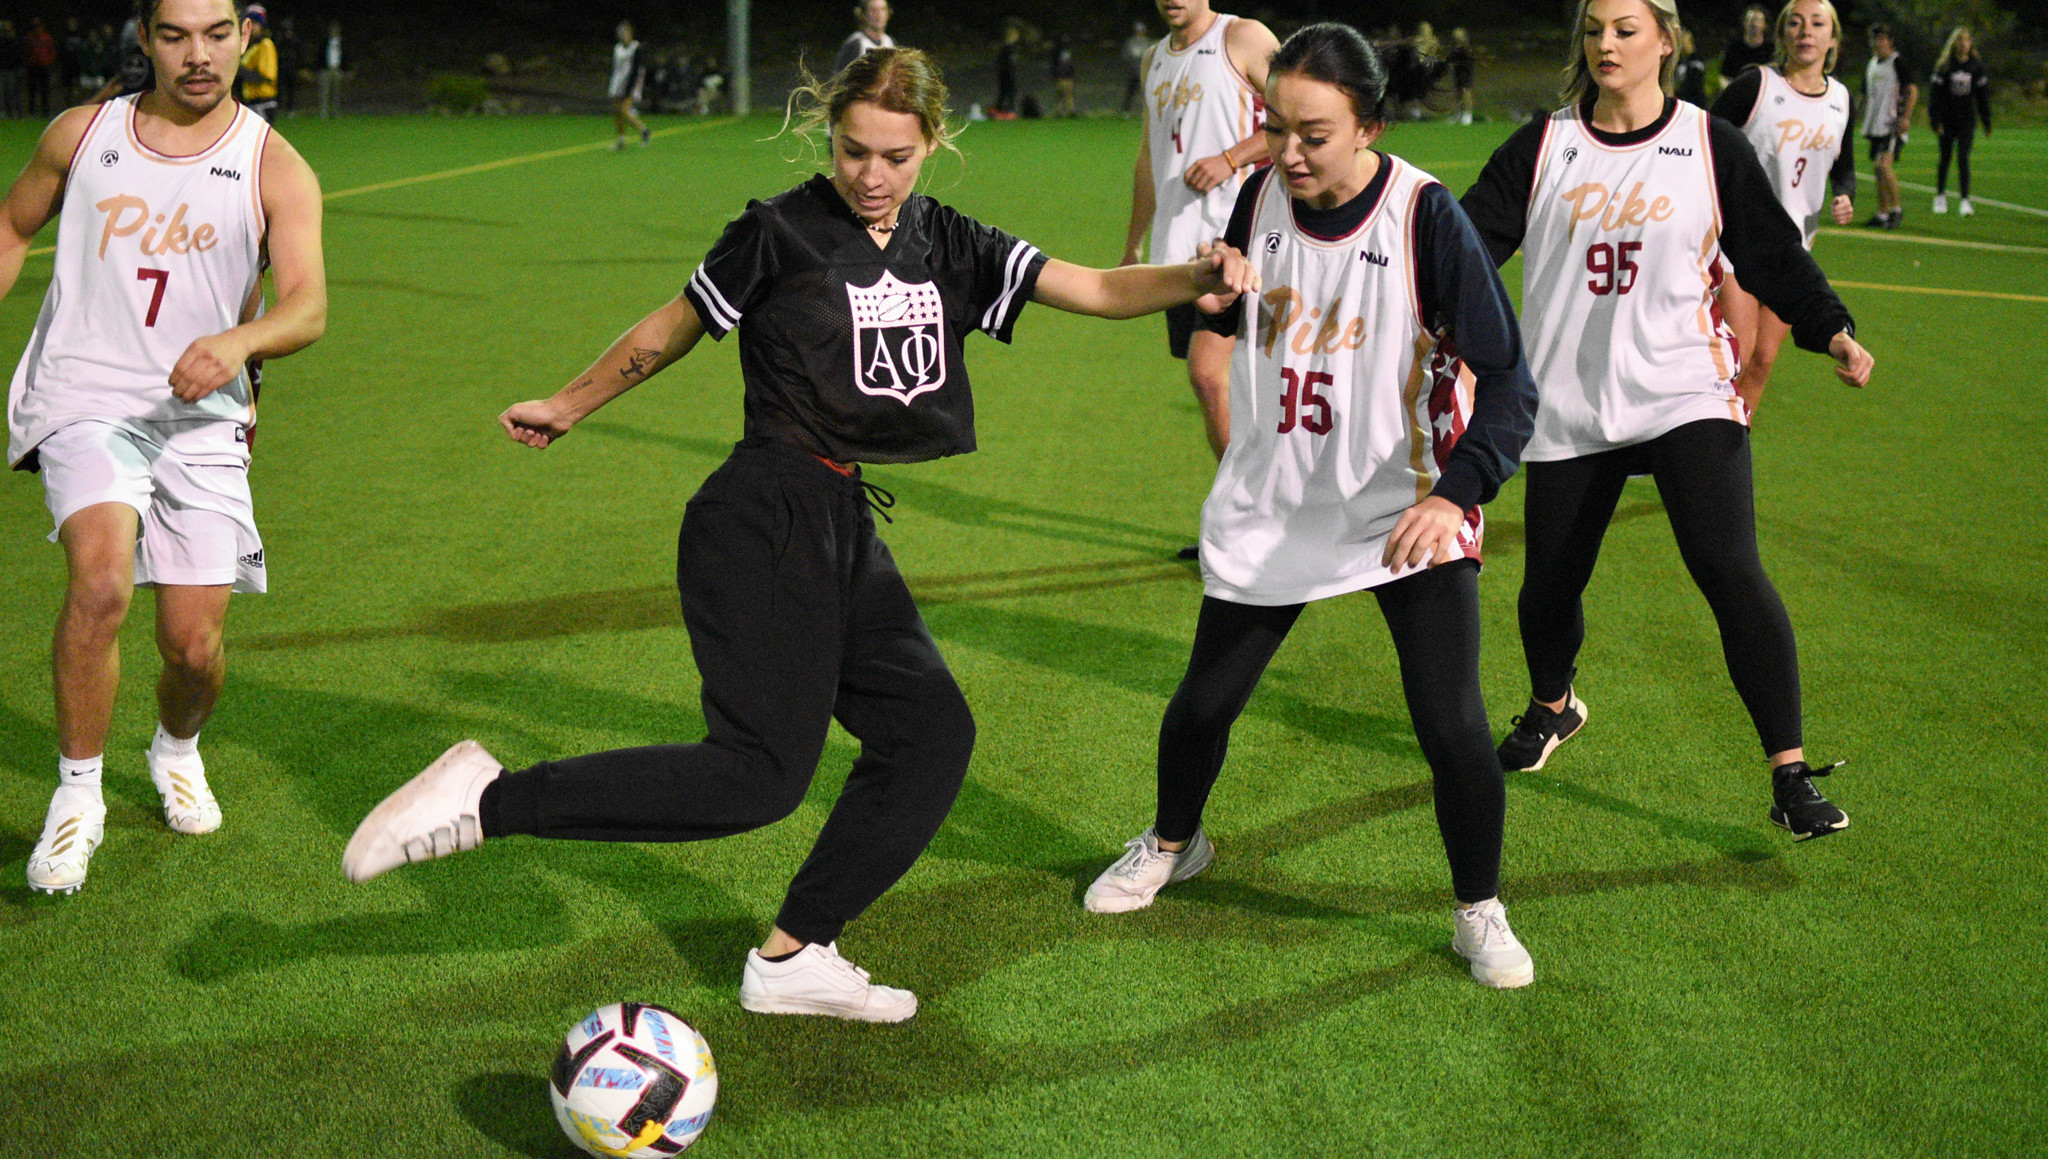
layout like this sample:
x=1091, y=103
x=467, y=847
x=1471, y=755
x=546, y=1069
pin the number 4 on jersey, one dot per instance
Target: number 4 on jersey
x=162, y=278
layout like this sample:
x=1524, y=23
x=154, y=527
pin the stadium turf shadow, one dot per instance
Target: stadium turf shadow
x=513, y=1111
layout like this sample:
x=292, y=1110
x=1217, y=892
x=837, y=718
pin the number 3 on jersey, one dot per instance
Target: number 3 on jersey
x=1301, y=405
x=162, y=278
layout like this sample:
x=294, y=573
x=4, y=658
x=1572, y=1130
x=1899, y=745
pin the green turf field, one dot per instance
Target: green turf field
x=1704, y=986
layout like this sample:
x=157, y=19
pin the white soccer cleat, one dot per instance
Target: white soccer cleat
x=818, y=981
x=72, y=830
x=432, y=815
x=189, y=806
x=1965, y=209
x=1483, y=938
x=1144, y=870
x=1941, y=203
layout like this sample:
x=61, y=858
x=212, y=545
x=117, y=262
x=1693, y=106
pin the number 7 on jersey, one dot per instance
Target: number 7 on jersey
x=162, y=278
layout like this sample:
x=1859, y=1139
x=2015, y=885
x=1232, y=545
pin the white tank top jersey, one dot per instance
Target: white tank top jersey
x=1344, y=408
x=1196, y=105
x=1798, y=137
x=153, y=251
x=1621, y=265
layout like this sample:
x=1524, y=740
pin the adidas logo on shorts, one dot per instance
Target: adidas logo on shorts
x=253, y=559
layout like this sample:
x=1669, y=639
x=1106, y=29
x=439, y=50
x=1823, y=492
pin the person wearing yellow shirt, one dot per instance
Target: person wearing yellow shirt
x=257, y=78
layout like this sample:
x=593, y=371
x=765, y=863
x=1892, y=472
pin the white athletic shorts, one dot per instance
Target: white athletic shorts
x=198, y=526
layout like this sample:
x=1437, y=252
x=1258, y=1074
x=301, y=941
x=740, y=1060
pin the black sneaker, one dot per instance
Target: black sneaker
x=1898, y=215
x=1539, y=731
x=1798, y=806
x=1192, y=551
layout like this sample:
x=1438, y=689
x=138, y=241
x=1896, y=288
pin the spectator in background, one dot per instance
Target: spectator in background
x=1063, y=77
x=10, y=70
x=1889, y=95
x=331, y=65
x=1689, y=78
x=1134, y=63
x=1464, y=64
x=1006, y=72
x=710, y=88
x=71, y=60
x=872, y=34
x=39, y=61
x=132, y=70
x=1752, y=48
x=290, y=60
x=1957, y=98
x=628, y=75
x=257, y=80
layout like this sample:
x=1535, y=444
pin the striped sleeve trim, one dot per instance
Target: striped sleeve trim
x=1016, y=270
x=718, y=312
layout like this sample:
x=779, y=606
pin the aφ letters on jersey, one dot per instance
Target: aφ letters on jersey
x=899, y=349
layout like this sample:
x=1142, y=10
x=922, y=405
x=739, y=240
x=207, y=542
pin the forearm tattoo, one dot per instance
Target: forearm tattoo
x=639, y=364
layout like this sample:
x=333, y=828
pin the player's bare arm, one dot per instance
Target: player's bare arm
x=1144, y=199
x=659, y=339
x=292, y=211
x=1130, y=291
x=38, y=193
x=1853, y=363
x=1250, y=45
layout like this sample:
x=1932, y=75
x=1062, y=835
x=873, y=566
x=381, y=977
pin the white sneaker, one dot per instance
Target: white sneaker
x=432, y=815
x=189, y=806
x=1941, y=203
x=1144, y=870
x=1483, y=938
x=71, y=831
x=1965, y=209
x=818, y=981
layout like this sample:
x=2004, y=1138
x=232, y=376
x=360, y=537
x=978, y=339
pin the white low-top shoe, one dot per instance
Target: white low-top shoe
x=1484, y=939
x=432, y=815
x=816, y=980
x=189, y=806
x=72, y=830
x=1144, y=870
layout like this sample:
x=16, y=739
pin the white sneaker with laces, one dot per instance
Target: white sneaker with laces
x=1941, y=203
x=71, y=831
x=430, y=816
x=189, y=806
x=1965, y=209
x=1483, y=938
x=1144, y=870
x=818, y=981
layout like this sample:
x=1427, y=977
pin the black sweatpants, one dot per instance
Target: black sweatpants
x=1955, y=142
x=797, y=616
x=1703, y=474
x=1434, y=619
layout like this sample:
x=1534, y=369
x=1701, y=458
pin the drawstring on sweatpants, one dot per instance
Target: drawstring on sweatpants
x=878, y=498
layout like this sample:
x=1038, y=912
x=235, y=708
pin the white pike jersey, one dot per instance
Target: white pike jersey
x=153, y=251
x=1797, y=138
x=1344, y=408
x=1196, y=105
x=1621, y=264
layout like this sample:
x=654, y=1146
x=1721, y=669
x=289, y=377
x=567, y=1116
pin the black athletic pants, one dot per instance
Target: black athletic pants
x=797, y=616
x=1703, y=474
x=1434, y=619
x=1955, y=143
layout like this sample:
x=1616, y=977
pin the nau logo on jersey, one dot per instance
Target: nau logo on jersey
x=899, y=347
x=1671, y=151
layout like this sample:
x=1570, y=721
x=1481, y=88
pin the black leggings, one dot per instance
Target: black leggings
x=1434, y=619
x=797, y=616
x=1703, y=474
x=1956, y=141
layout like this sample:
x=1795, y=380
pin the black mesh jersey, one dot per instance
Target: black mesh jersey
x=852, y=351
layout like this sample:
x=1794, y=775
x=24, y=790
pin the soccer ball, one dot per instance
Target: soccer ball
x=633, y=1080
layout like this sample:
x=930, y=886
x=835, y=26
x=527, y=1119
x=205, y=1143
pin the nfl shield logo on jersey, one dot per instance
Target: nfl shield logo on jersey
x=899, y=349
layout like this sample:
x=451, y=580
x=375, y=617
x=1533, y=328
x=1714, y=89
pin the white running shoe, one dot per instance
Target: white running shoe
x=432, y=815
x=818, y=981
x=1484, y=939
x=1941, y=203
x=189, y=806
x=1965, y=209
x=1144, y=870
x=72, y=830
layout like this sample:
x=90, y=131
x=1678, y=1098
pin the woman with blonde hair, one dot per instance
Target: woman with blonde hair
x=1796, y=116
x=1624, y=203
x=1959, y=95
x=852, y=295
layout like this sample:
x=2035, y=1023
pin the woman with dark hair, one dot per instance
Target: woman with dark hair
x=852, y=296
x=1378, y=396
x=1623, y=203
x=1959, y=95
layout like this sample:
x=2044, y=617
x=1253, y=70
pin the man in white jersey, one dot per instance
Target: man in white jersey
x=1202, y=88
x=132, y=398
x=872, y=34
x=1889, y=96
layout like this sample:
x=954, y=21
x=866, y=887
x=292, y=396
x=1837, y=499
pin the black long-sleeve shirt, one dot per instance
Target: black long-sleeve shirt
x=1759, y=239
x=1737, y=103
x=1953, y=90
x=1459, y=290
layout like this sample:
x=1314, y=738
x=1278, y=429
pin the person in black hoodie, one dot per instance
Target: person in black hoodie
x=1959, y=95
